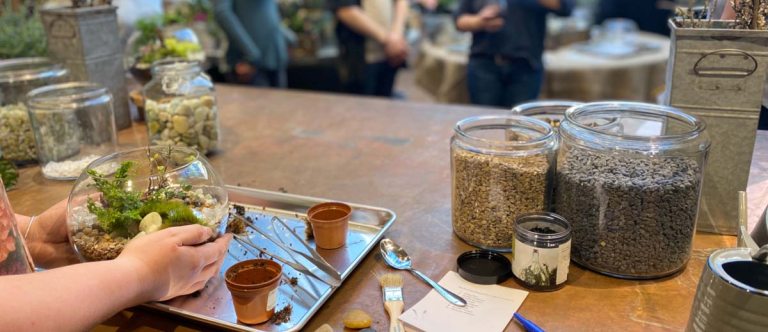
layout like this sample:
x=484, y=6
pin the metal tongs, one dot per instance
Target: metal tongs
x=329, y=274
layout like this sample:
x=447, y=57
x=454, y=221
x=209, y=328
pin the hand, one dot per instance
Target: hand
x=175, y=261
x=244, y=72
x=489, y=19
x=396, y=49
x=48, y=240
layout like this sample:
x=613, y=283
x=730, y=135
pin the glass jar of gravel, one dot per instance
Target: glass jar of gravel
x=631, y=192
x=180, y=106
x=17, y=78
x=501, y=166
x=74, y=124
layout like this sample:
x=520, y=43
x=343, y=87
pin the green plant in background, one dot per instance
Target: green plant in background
x=21, y=33
x=8, y=173
x=120, y=211
x=152, y=46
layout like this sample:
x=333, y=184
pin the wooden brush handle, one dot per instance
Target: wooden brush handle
x=394, y=308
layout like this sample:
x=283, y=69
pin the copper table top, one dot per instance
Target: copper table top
x=396, y=155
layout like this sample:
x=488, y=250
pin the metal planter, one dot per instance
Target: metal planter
x=86, y=41
x=718, y=73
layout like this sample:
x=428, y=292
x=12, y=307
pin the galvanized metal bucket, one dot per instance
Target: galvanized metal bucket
x=718, y=74
x=86, y=41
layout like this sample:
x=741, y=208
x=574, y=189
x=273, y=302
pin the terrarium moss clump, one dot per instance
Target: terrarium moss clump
x=119, y=214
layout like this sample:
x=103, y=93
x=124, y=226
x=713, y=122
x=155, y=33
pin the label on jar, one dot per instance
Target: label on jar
x=272, y=299
x=541, y=267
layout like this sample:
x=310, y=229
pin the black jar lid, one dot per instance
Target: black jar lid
x=483, y=267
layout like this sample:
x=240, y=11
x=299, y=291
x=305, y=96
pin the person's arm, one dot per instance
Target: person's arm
x=396, y=47
x=399, y=17
x=487, y=19
x=47, y=238
x=354, y=17
x=159, y=266
x=235, y=31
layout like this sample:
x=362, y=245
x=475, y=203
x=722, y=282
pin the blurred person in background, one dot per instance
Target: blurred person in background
x=650, y=15
x=372, y=45
x=505, y=63
x=258, y=48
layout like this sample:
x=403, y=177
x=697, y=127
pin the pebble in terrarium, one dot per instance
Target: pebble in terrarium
x=180, y=106
x=121, y=197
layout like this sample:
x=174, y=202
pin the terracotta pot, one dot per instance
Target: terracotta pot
x=330, y=222
x=253, y=285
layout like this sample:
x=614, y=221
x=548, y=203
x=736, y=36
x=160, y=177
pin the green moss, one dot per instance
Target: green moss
x=120, y=211
x=174, y=213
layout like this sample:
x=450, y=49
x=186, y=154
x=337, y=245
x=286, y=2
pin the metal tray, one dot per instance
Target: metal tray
x=213, y=305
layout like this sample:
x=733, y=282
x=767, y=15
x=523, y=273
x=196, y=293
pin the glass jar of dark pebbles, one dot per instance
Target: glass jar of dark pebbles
x=631, y=192
x=501, y=166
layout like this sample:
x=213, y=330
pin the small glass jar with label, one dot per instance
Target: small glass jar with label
x=542, y=250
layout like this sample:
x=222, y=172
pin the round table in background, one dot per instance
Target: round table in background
x=570, y=73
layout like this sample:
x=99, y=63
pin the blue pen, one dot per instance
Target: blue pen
x=528, y=325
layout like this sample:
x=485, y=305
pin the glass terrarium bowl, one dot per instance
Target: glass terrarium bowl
x=132, y=193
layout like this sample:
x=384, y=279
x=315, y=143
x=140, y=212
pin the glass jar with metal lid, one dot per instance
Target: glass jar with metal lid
x=74, y=124
x=501, y=166
x=180, y=106
x=17, y=78
x=631, y=195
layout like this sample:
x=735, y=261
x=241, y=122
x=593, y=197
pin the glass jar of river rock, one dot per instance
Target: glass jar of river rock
x=180, y=106
x=631, y=192
x=501, y=166
x=17, y=78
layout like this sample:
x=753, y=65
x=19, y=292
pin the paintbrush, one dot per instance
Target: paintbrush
x=392, y=289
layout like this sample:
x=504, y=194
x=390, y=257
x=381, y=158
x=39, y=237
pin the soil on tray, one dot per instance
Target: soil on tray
x=95, y=245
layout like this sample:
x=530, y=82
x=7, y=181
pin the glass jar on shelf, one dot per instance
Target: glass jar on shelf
x=501, y=166
x=74, y=124
x=631, y=195
x=17, y=78
x=180, y=106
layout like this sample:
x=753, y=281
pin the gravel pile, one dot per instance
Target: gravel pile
x=633, y=217
x=490, y=191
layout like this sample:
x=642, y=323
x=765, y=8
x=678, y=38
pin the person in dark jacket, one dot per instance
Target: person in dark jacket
x=258, y=41
x=505, y=64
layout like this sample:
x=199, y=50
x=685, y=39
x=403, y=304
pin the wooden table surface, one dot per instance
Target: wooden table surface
x=395, y=155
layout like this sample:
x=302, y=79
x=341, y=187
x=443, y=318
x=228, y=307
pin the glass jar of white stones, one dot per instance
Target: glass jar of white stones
x=180, y=106
x=501, y=166
x=631, y=192
x=17, y=78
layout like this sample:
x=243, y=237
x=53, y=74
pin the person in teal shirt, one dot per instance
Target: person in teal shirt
x=258, y=41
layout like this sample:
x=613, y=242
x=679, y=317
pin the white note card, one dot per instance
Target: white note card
x=489, y=306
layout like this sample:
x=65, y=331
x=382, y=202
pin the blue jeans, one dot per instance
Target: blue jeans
x=503, y=84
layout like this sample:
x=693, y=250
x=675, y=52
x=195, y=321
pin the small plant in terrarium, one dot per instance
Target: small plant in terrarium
x=121, y=197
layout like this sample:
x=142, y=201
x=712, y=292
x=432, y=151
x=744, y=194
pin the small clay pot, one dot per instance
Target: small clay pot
x=330, y=222
x=253, y=285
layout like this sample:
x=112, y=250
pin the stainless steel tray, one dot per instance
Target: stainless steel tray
x=213, y=304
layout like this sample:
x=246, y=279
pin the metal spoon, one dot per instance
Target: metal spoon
x=396, y=257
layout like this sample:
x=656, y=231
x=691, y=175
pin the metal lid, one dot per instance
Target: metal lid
x=483, y=267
